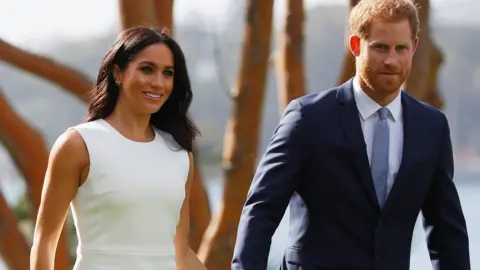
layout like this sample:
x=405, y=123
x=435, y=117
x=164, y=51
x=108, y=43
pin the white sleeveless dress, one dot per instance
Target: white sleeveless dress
x=127, y=211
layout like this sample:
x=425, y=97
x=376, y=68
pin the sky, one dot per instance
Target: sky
x=44, y=20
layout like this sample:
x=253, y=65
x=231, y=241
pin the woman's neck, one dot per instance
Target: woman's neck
x=133, y=126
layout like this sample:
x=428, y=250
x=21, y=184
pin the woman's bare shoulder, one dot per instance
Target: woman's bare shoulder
x=71, y=147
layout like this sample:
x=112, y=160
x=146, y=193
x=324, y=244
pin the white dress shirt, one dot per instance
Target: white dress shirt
x=367, y=109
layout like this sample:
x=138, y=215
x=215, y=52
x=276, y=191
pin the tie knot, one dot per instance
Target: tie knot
x=383, y=113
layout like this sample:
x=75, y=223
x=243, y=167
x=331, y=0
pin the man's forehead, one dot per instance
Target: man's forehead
x=390, y=31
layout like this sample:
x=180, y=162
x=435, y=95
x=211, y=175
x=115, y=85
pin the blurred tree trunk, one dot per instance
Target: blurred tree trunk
x=348, y=64
x=417, y=83
x=242, y=136
x=290, y=69
x=137, y=13
x=46, y=68
x=13, y=247
x=423, y=80
x=30, y=154
x=433, y=96
x=164, y=14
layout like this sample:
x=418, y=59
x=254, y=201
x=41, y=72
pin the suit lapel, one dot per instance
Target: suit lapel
x=409, y=124
x=352, y=130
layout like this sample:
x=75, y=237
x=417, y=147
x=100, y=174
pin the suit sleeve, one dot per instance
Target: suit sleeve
x=444, y=222
x=274, y=183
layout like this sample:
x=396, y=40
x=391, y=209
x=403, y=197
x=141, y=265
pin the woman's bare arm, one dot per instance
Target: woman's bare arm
x=185, y=257
x=67, y=167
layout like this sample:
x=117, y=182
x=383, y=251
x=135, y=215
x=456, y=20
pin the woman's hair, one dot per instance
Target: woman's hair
x=173, y=115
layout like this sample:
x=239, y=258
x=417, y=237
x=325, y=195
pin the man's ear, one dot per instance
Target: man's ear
x=415, y=45
x=354, y=43
x=117, y=74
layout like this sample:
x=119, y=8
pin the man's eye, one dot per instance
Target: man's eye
x=382, y=47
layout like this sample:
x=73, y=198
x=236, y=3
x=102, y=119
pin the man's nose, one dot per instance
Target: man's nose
x=391, y=58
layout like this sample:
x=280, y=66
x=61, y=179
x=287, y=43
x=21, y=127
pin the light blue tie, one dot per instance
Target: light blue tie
x=379, y=165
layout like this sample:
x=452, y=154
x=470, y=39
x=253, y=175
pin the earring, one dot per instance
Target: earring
x=118, y=83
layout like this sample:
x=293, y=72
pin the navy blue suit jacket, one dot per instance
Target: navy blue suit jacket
x=317, y=162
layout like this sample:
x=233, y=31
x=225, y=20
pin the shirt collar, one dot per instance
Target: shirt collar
x=367, y=106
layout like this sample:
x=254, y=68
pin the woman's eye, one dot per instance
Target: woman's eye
x=146, y=69
x=168, y=72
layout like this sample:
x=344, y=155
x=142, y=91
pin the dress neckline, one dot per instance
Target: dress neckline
x=109, y=126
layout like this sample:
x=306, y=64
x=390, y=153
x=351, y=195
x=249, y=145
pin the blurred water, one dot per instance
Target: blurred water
x=469, y=190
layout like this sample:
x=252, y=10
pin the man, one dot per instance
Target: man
x=357, y=163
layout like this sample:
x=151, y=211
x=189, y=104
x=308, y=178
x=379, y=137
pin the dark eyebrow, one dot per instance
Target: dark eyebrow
x=383, y=44
x=153, y=64
x=376, y=43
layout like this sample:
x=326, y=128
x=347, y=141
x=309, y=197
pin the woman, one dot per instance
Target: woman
x=127, y=171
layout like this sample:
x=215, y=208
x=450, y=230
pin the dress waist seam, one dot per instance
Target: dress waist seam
x=121, y=252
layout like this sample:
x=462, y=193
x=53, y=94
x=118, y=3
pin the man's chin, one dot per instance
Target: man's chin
x=384, y=92
x=388, y=87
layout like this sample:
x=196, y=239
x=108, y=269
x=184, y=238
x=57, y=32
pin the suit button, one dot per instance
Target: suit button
x=377, y=257
x=380, y=223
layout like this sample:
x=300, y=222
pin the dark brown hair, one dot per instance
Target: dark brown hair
x=365, y=11
x=173, y=115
